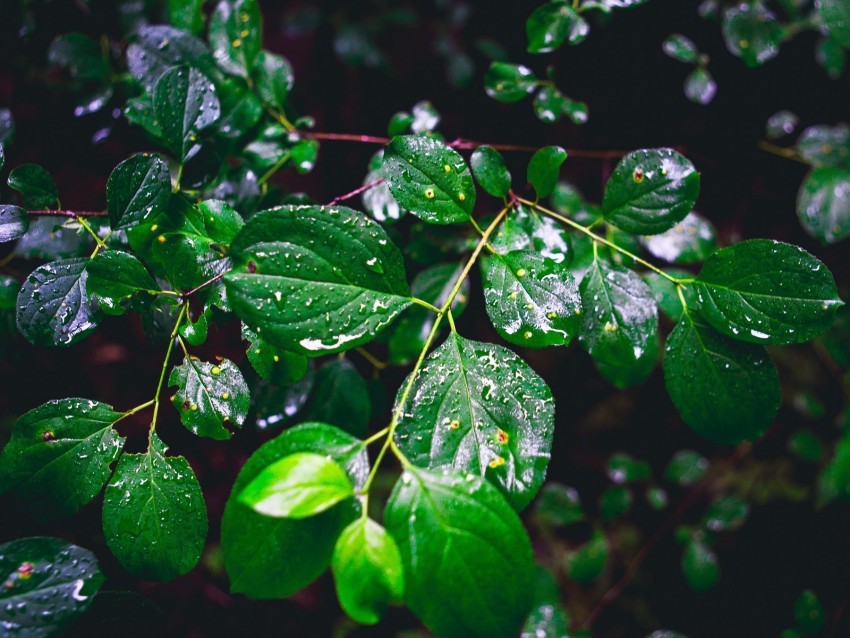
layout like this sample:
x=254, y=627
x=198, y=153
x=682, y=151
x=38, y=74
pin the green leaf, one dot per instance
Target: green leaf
x=823, y=204
x=59, y=455
x=526, y=229
x=187, y=14
x=490, y=171
x=825, y=146
x=236, y=32
x=727, y=391
x=14, y=222
x=114, y=276
x=553, y=23
x=468, y=565
x=835, y=15
x=505, y=82
x=9, y=289
x=378, y=201
x=615, y=501
x=623, y=468
x=808, y=611
x=806, y=445
x=666, y=293
x=210, y=397
x=195, y=333
x=550, y=104
x=137, y=189
x=558, y=505
x=768, y=292
x=726, y=514
x=627, y=374
x=699, y=566
x=367, y=571
x=185, y=103
x=161, y=47
x=49, y=237
x=700, y=86
x=154, y=516
x=680, y=47
x=588, y=562
x=543, y=169
x=80, y=55
x=271, y=363
x=619, y=317
x=690, y=241
x=36, y=186
x=686, y=467
x=340, y=397
x=477, y=408
x=752, y=32
x=53, y=306
x=297, y=266
x=274, y=79
x=251, y=542
x=429, y=179
x=48, y=583
x=547, y=618
x=532, y=301
x=831, y=56
x=780, y=124
x=650, y=191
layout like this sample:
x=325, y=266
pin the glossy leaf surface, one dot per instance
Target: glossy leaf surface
x=185, y=103
x=137, y=188
x=490, y=171
x=14, y=222
x=823, y=204
x=116, y=275
x=210, y=397
x=543, y=169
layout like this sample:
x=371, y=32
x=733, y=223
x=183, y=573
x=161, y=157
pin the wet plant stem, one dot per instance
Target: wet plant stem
x=180, y=317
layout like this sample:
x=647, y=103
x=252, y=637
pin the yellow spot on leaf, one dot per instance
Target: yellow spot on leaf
x=497, y=462
x=502, y=436
x=216, y=370
x=429, y=193
x=521, y=272
x=454, y=425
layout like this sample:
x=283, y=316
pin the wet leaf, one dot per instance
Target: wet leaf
x=808, y=610
x=9, y=289
x=273, y=364
x=588, y=562
x=543, y=169
x=825, y=146
x=558, y=505
x=187, y=14
x=136, y=189
x=752, y=32
x=666, y=293
x=236, y=32
x=154, y=516
x=14, y=222
x=689, y=241
x=700, y=86
x=210, y=397
x=726, y=514
x=316, y=280
x=47, y=238
x=835, y=15
x=507, y=82
x=680, y=47
x=686, y=467
x=58, y=457
x=547, y=618
x=468, y=566
x=161, y=47
x=526, y=229
x=552, y=24
x=627, y=374
x=477, y=408
x=80, y=55
x=115, y=275
x=699, y=566
x=36, y=186
x=185, y=104
x=340, y=397
x=823, y=204
x=490, y=171
x=274, y=78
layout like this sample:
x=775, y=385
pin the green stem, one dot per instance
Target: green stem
x=100, y=244
x=133, y=411
x=425, y=304
x=171, y=340
x=274, y=169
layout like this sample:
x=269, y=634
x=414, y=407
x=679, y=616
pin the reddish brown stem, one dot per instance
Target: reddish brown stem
x=348, y=137
x=69, y=213
x=355, y=192
x=205, y=284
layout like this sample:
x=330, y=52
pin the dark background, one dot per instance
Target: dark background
x=635, y=97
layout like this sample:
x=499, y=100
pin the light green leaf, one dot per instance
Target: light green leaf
x=36, y=186
x=479, y=409
x=552, y=24
x=9, y=289
x=490, y=171
x=507, y=82
x=543, y=169
x=768, y=292
x=823, y=204
x=59, y=455
x=137, y=188
x=367, y=571
x=14, y=223
x=115, y=275
x=650, y=191
x=297, y=266
x=154, y=516
x=210, y=397
x=468, y=566
x=236, y=32
x=185, y=104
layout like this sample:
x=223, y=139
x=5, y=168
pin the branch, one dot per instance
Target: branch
x=69, y=213
x=355, y=192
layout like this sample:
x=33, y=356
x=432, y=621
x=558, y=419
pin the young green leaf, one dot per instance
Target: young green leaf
x=53, y=306
x=768, y=292
x=532, y=301
x=251, y=541
x=378, y=201
x=699, y=565
x=236, y=32
x=429, y=179
x=195, y=332
x=137, y=188
x=48, y=584
x=36, y=186
x=340, y=397
x=543, y=169
x=588, y=562
x=700, y=86
x=367, y=571
x=823, y=204
x=666, y=293
x=210, y=397
x=59, y=455
x=727, y=391
x=689, y=241
x=185, y=104
x=274, y=79
x=507, y=82
x=14, y=222
x=154, y=516
x=552, y=24
x=468, y=566
x=316, y=280
x=619, y=317
x=680, y=47
x=835, y=15
x=752, y=32
x=114, y=276
x=490, y=171
x=477, y=408
x=650, y=191
x=550, y=104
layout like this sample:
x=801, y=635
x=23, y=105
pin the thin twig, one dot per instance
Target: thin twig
x=355, y=192
x=205, y=284
x=69, y=213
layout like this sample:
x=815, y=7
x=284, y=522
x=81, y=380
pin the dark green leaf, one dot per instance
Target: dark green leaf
x=340, y=397
x=154, y=516
x=490, y=171
x=210, y=397
x=752, y=32
x=553, y=23
x=680, y=47
x=726, y=514
x=53, y=306
x=686, y=467
x=115, y=275
x=532, y=300
x=615, y=501
x=835, y=15
x=543, y=169
x=768, y=292
x=195, y=333
x=823, y=204
x=185, y=103
x=825, y=146
x=806, y=445
x=689, y=241
x=479, y=409
x=700, y=86
x=780, y=124
x=831, y=56
x=161, y=47
x=274, y=79
x=367, y=571
x=619, y=317
x=526, y=229
x=79, y=55
x=252, y=542
x=468, y=566
x=304, y=154
x=9, y=289
x=550, y=104
x=507, y=82
x=236, y=33
x=808, y=611
x=36, y=186
x=588, y=562
x=299, y=265
x=623, y=468
x=49, y=238
x=14, y=222
x=666, y=293
x=59, y=455
x=137, y=189
x=558, y=505
x=699, y=565
x=48, y=583
x=726, y=390
x=547, y=618
x=628, y=374
x=429, y=179
x=187, y=14
x=271, y=363
x=650, y=191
